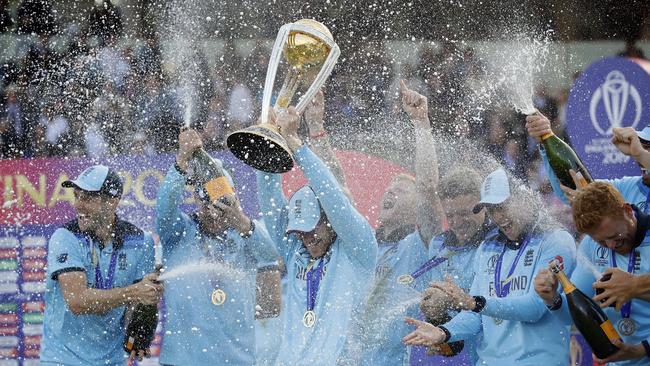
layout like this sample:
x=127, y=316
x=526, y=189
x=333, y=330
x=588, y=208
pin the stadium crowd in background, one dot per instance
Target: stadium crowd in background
x=87, y=89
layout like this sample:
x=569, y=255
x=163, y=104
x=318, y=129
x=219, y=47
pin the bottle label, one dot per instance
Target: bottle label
x=609, y=330
x=445, y=350
x=218, y=188
x=544, y=137
x=130, y=343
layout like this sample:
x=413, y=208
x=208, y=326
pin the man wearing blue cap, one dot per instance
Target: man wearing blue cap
x=96, y=265
x=329, y=250
x=505, y=307
x=210, y=312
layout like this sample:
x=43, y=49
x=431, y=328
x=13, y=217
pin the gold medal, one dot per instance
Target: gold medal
x=626, y=326
x=405, y=279
x=309, y=319
x=218, y=297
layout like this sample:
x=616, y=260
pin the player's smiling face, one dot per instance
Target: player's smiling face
x=462, y=221
x=398, y=203
x=318, y=241
x=616, y=233
x=93, y=209
x=509, y=224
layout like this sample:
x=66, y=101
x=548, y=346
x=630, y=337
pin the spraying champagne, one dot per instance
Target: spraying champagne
x=562, y=159
x=587, y=316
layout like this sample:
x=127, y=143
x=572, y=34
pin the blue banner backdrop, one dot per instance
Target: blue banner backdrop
x=613, y=92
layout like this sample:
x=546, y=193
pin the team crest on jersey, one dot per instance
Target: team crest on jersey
x=492, y=263
x=528, y=259
x=62, y=258
x=602, y=256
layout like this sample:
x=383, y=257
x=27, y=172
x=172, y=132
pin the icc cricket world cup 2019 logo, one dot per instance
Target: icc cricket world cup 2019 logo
x=615, y=94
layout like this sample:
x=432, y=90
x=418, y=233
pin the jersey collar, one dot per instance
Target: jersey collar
x=642, y=226
x=395, y=236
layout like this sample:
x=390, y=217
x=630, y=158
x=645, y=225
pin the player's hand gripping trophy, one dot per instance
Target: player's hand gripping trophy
x=310, y=53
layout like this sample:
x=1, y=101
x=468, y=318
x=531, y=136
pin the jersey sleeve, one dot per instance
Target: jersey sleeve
x=357, y=237
x=146, y=264
x=65, y=253
x=274, y=207
x=464, y=326
x=170, y=220
x=262, y=248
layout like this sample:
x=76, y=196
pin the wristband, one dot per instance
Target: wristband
x=480, y=304
x=316, y=136
x=447, y=333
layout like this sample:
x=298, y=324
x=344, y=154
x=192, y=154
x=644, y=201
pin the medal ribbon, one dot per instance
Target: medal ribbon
x=626, y=310
x=430, y=264
x=313, y=282
x=100, y=283
x=503, y=291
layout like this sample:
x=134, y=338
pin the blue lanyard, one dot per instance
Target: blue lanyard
x=100, y=282
x=430, y=264
x=626, y=310
x=504, y=290
x=313, y=283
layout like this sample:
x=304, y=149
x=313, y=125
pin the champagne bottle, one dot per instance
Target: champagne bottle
x=562, y=158
x=604, y=278
x=207, y=174
x=141, y=321
x=587, y=316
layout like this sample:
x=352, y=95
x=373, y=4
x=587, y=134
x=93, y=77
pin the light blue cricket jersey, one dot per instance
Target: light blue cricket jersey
x=583, y=277
x=461, y=266
x=632, y=188
x=197, y=332
x=398, y=252
x=374, y=337
x=347, y=276
x=518, y=329
x=84, y=340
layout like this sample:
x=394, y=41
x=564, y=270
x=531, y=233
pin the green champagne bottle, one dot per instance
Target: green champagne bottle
x=209, y=178
x=141, y=321
x=562, y=158
x=587, y=316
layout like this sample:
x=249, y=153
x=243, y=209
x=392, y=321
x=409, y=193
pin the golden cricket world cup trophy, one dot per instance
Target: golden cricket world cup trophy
x=310, y=55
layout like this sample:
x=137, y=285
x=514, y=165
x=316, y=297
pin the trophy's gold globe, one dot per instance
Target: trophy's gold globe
x=262, y=146
x=304, y=50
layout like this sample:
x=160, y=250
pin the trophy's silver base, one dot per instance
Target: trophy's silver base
x=261, y=148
